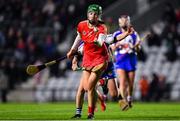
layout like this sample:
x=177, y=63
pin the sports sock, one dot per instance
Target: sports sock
x=119, y=97
x=115, y=99
x=90, y=110
x=129, y=98
x=78, y=110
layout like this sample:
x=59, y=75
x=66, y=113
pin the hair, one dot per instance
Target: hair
x=127, y=17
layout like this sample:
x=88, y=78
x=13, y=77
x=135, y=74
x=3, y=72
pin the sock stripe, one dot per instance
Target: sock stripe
x=78, y=110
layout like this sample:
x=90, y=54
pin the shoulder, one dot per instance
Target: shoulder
x=82, y=22
x=117, y=33
x=136, y=34
x=81, y=25
x=103, y=27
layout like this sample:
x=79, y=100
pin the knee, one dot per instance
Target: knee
x=85, y=87
x=80, y=92
x=90, y=88
x=113, y=93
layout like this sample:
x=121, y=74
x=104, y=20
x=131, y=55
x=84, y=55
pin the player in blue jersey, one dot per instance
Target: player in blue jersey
x=126, y=61
x=107, y=80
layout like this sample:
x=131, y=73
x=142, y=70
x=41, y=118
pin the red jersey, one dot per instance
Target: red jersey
x=93, y=55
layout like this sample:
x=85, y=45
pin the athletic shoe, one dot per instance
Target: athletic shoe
x=123, y=105
x=90, y=116
x=103, y=104
x=130, y=104
x=76, y=116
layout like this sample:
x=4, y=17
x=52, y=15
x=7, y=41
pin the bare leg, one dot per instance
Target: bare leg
x=113, y=90
x=131, y=76
x=80, y=96
x=122, y=78
x=80, y=91
x=123, y=92
x=79, y=99
x=91, y=90
x=102, y=100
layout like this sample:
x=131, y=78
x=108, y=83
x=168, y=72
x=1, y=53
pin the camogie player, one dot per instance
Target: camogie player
x=107, y=80
x=94, y=56
x=126, y=61
x=81, y=90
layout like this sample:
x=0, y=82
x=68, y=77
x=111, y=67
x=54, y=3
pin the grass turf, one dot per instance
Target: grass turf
x=64, y=111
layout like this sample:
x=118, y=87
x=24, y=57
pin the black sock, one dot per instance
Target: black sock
x=119, y=97
x=115, y=99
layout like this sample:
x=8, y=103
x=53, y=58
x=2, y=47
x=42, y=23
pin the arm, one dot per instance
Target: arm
x=125, y=34
x=100, y=40
x=74, y=47
x=76, y=42
x=74, y=63
x=137, y=46
x=111, y=39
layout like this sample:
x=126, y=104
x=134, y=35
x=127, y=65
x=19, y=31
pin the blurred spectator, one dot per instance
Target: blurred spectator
x=154, y=39
x=171, y=39
x=2, y=39
x=12, y=74
x=49, y=7
x=153, y=88
x=169, y=15
x=3, y=86
x=141, y=55
x=49, y=47
x=31, y=48
x=11, y=38
x=161, y=87
x=111, y=26
x=170, y=32
x=25, y=23
x=144, y=88
x=178, y=15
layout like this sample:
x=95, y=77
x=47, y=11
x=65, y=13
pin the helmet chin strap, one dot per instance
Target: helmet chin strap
x=92, y=22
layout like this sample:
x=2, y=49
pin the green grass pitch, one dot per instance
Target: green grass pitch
x=64, y=110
